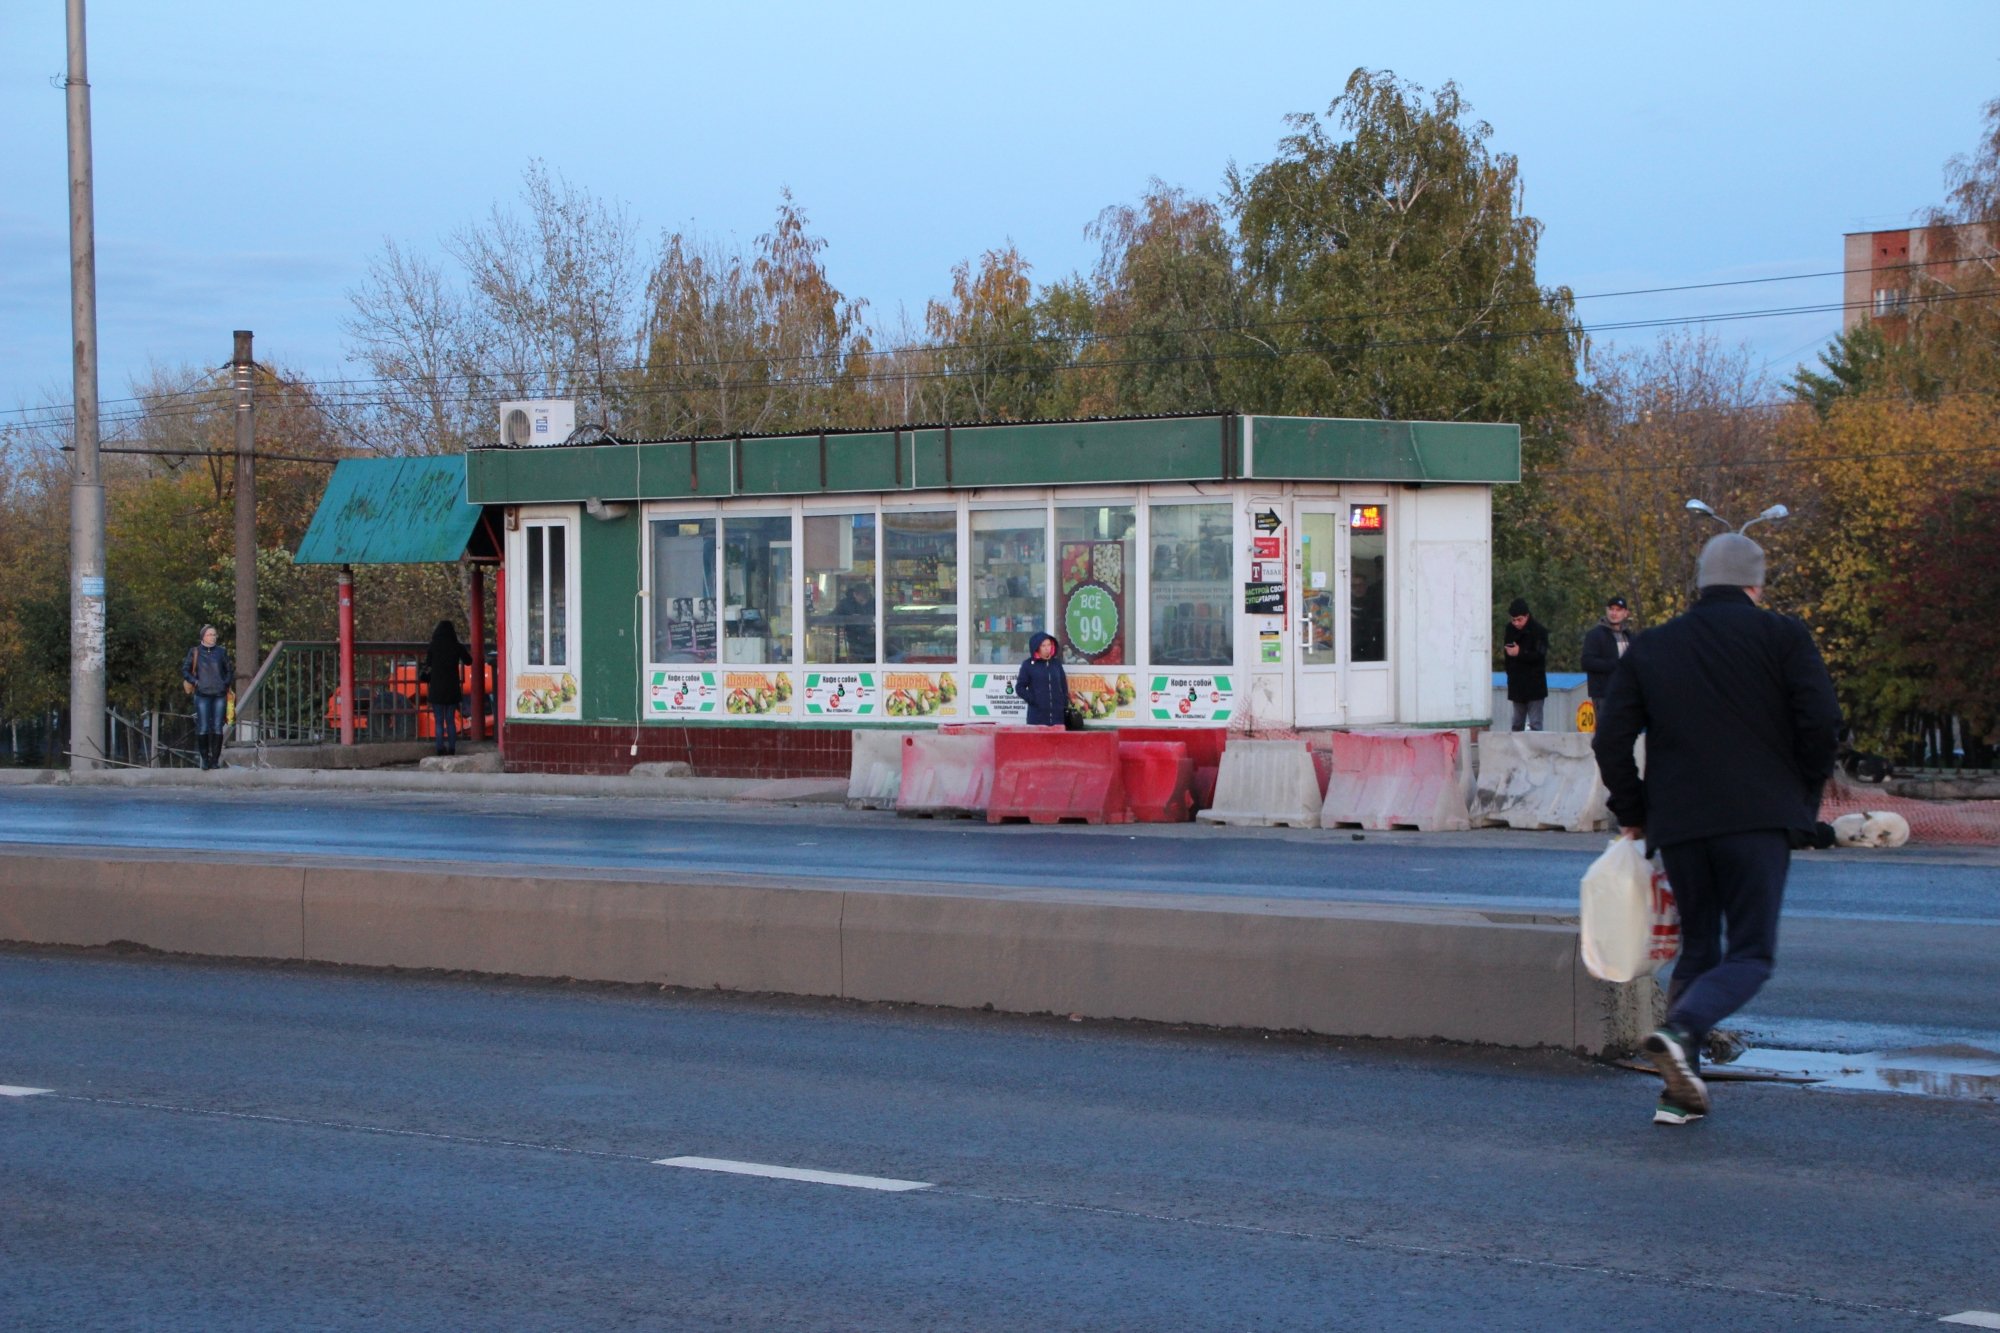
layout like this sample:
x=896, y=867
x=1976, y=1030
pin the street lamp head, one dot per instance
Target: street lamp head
x=1701, y=507
x=1769, y=515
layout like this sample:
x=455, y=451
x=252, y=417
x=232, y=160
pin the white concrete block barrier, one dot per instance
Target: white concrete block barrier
x=1539, y=779
x=1397, y=779
x=1262, y=783
x=946, y=774
x=1338, y=969
x=875, y=776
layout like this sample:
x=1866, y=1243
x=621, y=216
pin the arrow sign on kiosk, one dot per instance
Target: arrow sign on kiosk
x=1268, y=521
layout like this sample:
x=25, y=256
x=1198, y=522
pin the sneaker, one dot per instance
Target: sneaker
x=1667, y=1049
x=1666, y=1113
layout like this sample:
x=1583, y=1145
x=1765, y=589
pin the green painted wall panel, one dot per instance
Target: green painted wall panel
x=788, y=466
x=535, y=476
x=862, y=462
x=1296, y=448
x=610, y=578
x=1030, y=454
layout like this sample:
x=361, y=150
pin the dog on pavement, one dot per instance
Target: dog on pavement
x=1871, y=828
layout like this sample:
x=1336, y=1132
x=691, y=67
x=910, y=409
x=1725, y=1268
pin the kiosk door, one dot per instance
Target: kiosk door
x=1319, y=615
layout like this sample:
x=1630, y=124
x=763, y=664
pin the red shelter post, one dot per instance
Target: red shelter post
x=476, y=728
x=500, y=656
x=347, y=655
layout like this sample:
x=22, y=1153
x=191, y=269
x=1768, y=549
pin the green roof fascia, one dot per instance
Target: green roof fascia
x=1329, y=449
x=1077, y=453
x=391, y=511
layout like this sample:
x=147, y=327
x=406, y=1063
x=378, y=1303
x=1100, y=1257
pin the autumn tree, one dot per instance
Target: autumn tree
x=736, y=342
x=1168, y=306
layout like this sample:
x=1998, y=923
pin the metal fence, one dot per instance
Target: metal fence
x=295, y=697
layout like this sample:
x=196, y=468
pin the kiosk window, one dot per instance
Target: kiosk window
x=1094, y=582
x=683, y=591
x=757, y=589
x=1192, y=562
x=840, y=589
x=1010, y=586
x=548, y=594
x=920, y=585
x=1367, y=589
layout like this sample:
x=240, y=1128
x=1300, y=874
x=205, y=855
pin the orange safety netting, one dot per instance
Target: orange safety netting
x=1930, y=821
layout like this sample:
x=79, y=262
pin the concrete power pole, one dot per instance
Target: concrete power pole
x=246, y=517
x=86, y=492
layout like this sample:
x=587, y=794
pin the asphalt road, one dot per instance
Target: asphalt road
x=1880, y=949
x=254, y=1147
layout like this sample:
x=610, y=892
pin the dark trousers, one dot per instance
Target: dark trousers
x=447, y=727
x=1733, y=884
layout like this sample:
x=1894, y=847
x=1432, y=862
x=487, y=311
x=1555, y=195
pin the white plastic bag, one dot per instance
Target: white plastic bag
x=1630, y=927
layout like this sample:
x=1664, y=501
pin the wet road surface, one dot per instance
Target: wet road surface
x=245, y=1146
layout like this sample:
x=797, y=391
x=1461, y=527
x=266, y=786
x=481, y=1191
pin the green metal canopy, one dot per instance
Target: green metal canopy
x=391, y=511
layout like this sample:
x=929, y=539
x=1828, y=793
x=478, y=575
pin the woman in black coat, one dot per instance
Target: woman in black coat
x=441, y=666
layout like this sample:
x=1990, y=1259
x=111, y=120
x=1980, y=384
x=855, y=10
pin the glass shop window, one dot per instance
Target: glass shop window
x=920, y=586
x=1192, y=564
x=1368, y=576
x=1094, y=582
x=840, y=589
x=547, y=629
x=1010, y=585
x=757, y=589
x=683, y=590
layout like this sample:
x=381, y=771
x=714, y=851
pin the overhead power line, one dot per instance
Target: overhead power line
x=344, y=388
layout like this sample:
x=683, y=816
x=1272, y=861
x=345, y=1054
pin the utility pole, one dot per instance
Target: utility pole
x=246, y=517
x=86, y=489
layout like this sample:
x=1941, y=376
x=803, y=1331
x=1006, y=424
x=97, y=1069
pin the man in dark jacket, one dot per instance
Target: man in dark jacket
x=1525, y=647
x=1042, y=685
x=1740, y=723
x=1603, y=644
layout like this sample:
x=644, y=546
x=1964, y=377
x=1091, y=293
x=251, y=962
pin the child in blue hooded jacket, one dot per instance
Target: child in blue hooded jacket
x=1042, y=684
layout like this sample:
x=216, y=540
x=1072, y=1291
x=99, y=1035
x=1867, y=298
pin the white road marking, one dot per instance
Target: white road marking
x=1976, y=1318
x=794, y=1173
x=7, y=1090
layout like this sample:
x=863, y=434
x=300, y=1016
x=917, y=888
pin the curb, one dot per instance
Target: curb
x=785, y=791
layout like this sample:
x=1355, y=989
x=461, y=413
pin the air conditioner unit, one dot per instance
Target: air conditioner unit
x=537, y=421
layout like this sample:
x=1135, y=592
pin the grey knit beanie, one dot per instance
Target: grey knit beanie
x=1730, y=560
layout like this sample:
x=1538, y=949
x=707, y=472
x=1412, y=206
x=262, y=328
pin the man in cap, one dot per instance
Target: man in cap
x=1603, y=644
x=1524, y=646
x=1740, y=723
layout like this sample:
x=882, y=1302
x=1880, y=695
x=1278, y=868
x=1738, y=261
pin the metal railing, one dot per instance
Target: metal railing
x=294, y=699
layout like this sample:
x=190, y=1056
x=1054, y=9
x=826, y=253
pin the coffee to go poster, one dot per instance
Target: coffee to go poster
x=1092, y=611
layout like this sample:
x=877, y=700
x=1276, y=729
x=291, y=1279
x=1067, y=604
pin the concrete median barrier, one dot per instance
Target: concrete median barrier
x=1539, y=779
x=1264, y=783
x=1339, y=969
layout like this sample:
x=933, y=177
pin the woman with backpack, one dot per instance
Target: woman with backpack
x=208, y=675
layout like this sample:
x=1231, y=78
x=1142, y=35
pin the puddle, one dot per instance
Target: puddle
x=1968, y=1073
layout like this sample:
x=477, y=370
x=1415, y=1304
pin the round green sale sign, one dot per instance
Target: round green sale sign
x=1091, y=619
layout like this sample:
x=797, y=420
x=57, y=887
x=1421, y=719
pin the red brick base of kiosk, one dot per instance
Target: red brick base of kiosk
x=715, y=752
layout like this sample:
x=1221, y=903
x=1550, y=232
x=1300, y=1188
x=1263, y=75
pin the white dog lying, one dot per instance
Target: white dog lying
x=1871, y=828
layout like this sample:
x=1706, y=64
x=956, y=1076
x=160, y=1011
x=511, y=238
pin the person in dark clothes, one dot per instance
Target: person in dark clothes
x=441, y=664
x=1525, y=646
x=1603, y=644
x=1741, y=726
x=210, y=676
x=1042, y=684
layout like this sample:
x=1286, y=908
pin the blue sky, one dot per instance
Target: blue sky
x=251, y=160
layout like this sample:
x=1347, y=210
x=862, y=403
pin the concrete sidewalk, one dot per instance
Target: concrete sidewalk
x=778, y=791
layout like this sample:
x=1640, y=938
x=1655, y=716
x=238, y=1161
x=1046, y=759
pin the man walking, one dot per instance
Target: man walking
x=1603, y=644
x=1740, y=723
x=1525, y=647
